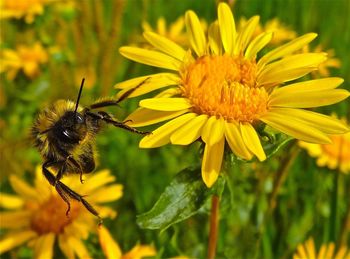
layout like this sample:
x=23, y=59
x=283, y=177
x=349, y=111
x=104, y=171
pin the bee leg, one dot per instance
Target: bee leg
x=112, y=102
x=108, y=119
x=77, y=165
x=74, y=195
x=55, y=182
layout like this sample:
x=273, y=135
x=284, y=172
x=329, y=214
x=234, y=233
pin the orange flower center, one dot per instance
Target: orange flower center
x=339, y=149
x=51, y=217
x=224, y=86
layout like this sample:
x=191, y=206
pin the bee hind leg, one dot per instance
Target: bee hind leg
x=65, y=192
x=54, y=182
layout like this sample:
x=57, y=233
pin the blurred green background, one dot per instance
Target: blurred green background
x=82, y=40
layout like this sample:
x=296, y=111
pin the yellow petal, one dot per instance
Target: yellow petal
x=309, y=99
x=195, y=33
x=295, y=128
x=190, y=132
x=227, y=27
x=65, y=246
x=321, y=253
x=166, y=78
x=140, y=251
x=246, y=34
x=301, y=252
x=323, y=123
x=309, y=85
x=95, y=181
x=211, y=164
x=278, y=77
x=107, y=194
x=257, y=44
x=109, y=246
x=166, y=104
x=43, y=248
x=310, y=248
x=287, y=48
x=214, y=38
x=213, y=130
x=15, y=219
x=151, y=84
x=143, y=117
x=150, y=57
x=161, y=136
x=22, y=188
x=79, y=248
x=9, y=201
x=15, y=239
x=294, y=61
x=235, y=141
x=167, y=46
x=170, y=92
x=330, y=250
x=106, y=212
x=279, y=71
x=252, y=141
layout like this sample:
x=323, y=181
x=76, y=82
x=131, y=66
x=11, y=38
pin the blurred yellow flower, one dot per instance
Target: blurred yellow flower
x=23, y=58
x=330, y=62
x=174, y=31
x=112, y=251
x=281, y=33
x=219, y=91
x=37, y=214
x=335, y=155
x=327, y=251
x=19, y=9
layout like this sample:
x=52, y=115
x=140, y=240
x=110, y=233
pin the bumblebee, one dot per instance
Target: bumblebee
x=65, y=133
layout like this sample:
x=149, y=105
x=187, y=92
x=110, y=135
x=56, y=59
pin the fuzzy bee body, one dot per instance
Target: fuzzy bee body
x=71, y=133
x=64, y=133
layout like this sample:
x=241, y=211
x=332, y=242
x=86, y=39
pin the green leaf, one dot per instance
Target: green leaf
x=182, y=198
x=274, y=141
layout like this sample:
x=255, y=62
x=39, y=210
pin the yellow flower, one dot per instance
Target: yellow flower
x=281, y=33
x=335, y=155
x=308, y=251
x=23, y=58
x=175, y=31
x=218, y=91
x=38, y=214
x=18, y=9
x=111, y=248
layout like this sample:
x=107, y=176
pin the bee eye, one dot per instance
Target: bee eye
x=78, y=118
x=69, y=136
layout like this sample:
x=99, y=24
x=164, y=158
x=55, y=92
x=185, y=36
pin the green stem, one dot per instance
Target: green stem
x=214, y=225
x=281, y=177
x=334, y=206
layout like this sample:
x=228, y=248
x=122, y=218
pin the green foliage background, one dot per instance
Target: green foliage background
x=312, y=201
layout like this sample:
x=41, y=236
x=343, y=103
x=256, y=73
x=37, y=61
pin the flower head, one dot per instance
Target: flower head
x=308, y=251
x=334, y=155
x=18, y=9
x=112, y=251
x=37, y=214
x=220, y=91
x=23, y=58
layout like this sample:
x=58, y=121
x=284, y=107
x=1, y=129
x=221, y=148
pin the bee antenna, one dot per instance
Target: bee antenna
x=78, y=99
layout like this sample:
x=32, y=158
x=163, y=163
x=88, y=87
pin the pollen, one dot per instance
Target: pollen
x=51, y=216
x=224, y=86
